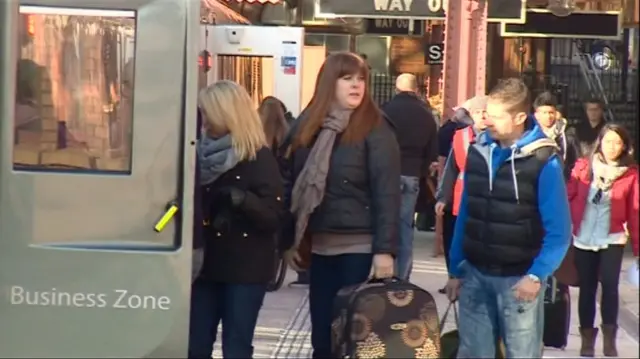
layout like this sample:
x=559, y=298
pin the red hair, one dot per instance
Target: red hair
x=363, y=119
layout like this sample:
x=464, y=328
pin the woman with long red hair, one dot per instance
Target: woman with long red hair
x=343, y=189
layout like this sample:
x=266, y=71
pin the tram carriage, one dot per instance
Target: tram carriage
x=97, y=163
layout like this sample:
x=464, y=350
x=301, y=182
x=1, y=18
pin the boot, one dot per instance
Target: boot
x=609, y=340
x=588, y=336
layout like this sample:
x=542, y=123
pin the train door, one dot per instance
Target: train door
x=95, y=149
x=266, y=60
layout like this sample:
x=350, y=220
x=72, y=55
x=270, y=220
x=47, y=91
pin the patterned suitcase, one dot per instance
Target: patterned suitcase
x=385, y=319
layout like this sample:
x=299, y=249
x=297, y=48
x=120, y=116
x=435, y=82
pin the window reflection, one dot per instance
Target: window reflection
x=74, y=90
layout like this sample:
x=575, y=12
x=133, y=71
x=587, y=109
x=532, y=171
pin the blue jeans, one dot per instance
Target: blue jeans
x=489, y=311
x=327, y=275
x=236, y=305
x=409, y=189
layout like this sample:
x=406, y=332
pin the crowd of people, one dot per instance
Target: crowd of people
x=334, y=191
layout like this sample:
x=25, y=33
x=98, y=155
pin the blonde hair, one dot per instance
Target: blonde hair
x=513, y=93
x=227, y=106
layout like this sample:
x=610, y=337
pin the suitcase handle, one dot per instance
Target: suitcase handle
x=446, y=314
x=393, y=279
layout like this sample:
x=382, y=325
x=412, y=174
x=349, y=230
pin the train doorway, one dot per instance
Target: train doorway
x=266, y=60
x=94, y=152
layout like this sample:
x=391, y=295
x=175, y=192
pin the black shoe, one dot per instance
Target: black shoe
x=442, y=291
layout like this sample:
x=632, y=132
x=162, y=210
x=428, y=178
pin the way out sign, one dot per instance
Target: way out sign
x=434, y=54
x=390, y=9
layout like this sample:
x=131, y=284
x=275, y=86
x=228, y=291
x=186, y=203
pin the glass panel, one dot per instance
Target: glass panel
x=377, y=51
x=255, y=73
x=74, y=90
x=337, y=43
x=314, y=39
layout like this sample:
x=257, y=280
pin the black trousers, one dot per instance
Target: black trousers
x=448, y=226
x=604, y=265
x=329, y=274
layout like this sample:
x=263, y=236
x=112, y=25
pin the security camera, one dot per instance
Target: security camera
x=234, y=35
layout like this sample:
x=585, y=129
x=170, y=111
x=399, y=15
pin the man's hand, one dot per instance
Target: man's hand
x=527, y=289
x=382, y=266
x=439, y=208
x=453, y=289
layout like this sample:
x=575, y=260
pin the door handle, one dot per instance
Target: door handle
x=169, y=213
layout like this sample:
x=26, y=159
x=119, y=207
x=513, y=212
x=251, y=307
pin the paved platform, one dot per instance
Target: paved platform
x=284, y=326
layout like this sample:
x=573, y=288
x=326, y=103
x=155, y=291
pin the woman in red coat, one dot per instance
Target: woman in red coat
x=603, y=193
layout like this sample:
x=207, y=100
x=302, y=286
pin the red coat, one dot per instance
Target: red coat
x=624, y=200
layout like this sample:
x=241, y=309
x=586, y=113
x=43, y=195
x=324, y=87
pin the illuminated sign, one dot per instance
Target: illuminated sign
x=205, y=61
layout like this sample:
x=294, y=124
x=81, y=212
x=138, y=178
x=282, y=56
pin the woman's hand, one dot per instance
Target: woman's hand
x=382, y=266
x=292, y=257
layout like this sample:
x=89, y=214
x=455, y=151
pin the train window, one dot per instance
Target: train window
x=74, y=90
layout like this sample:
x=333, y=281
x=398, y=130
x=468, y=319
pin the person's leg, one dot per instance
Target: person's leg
x=354, y=268
x=410, y=187
x=324, y=283
x=521, y=322
x=242, y=303
x=477, y=327
x=448, y=225
x=610, y=265
x=329, y=274
x=587, y=263
x=203, y=319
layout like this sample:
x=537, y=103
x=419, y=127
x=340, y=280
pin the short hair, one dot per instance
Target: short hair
x=545, y=98
x=596, y=101
x=513, y=93
x=406, y=82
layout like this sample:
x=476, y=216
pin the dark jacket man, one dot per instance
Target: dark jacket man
x=416, y=131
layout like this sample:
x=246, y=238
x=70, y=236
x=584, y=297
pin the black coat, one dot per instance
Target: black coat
x=362, y=194
x=242, y=249
x=416, y=131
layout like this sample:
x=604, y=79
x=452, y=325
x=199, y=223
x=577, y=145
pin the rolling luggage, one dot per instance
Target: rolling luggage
x=557, y=314
x=385, y=319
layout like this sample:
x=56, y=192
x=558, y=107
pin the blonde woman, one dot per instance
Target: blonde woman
x=241, y=204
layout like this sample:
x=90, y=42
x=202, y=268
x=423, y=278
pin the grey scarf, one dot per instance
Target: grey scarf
x=216, y=156
x=605, y=174
x=309, y=188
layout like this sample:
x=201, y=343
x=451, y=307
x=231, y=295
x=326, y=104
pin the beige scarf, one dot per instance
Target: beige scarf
x=604, y=174
x=308, y=191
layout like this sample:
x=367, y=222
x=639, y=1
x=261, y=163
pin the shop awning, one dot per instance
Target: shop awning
x=222, y=13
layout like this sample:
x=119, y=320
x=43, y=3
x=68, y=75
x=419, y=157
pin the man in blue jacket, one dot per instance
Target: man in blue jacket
x=512, y=231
